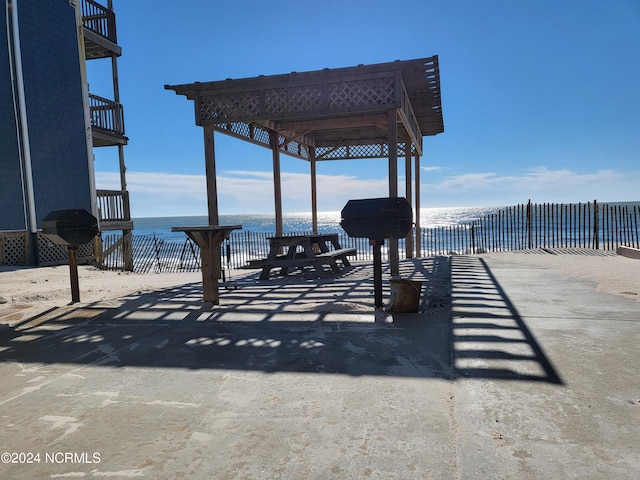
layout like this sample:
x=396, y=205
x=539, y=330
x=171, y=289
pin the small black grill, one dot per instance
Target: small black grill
x=71, y=227
x=377, y=219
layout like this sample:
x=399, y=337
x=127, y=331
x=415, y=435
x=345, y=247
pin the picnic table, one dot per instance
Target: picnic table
x=209, y=238
x=298, y=251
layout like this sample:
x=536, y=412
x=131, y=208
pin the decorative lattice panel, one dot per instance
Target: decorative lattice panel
x=50, y=253
x=245, y=130
x=334, y=96
x=375, y=91
x=294, y=148
x=261, y=135
x=293, y=99
x=239, y=128
x=373, y=150
x=217, y=107
x=13, y=248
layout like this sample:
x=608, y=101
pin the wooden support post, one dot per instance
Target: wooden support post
x=408, y=185
x=210, y=261
x=210, y=169
x=392, y=128
x=277, y=183
x=314, y=192
x=417, y=209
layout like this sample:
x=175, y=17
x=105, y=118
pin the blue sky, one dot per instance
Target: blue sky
x=541, y=100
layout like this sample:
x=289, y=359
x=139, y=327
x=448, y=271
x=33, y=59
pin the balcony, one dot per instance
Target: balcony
x=99, y=31
x=107, y=122
x=113, y=210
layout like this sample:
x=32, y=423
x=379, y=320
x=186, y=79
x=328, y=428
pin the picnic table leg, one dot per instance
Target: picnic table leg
x=266, y=270
x=291, y=254
x=310, y=253
x=345, y=261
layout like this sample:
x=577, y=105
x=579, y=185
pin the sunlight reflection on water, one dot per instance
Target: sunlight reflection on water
x=295, y=222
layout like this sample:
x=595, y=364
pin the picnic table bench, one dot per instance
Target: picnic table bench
x=298, y=251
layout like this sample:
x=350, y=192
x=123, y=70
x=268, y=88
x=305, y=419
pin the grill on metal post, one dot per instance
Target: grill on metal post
x=377, y=219
x=71, y=227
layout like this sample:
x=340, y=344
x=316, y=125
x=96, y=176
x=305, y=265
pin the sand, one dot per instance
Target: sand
x=50, y=286
x=47, y=287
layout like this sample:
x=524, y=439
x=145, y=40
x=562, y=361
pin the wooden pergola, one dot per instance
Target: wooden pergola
x=368, y=111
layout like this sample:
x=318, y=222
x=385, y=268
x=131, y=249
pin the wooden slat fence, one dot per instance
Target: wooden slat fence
x=151, y=254
x=520, y=227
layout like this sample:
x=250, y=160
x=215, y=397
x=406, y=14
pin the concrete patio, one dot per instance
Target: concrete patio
x=510, y=370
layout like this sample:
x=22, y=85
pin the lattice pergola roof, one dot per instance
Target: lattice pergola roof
x=329, y=114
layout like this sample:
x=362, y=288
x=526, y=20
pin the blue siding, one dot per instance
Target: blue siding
x=53, y=84
x=11, y=199
x=53, y=92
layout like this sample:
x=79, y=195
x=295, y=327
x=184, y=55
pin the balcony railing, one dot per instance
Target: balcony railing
x=113, y=206
x=99, y=19
x=106, y=115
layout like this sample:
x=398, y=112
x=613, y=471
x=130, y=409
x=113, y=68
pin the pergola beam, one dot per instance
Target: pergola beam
x=332, y=123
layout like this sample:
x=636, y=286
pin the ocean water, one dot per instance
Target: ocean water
x=444, y=231
x=296, y=222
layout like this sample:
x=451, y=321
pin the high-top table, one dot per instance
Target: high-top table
x=209, y=238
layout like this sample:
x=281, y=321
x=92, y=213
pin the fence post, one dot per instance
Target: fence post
x=473, y=239
x=596, y=243
x=529, y=231
x=155, y=247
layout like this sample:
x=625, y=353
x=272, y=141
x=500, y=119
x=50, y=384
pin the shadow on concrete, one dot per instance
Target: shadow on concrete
x=303, y=324
x=490, y=338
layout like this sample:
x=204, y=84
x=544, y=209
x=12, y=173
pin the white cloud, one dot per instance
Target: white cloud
x=431, y=169
x=539, y=184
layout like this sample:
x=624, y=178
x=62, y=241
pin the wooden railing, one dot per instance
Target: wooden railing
x=113, y=205
x=99, y=19
x=106, y=114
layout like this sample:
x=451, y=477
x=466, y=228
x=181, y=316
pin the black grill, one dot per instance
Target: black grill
x=377, y=218
x=70, y=227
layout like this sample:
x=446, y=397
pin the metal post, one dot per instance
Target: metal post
x=377, y=271
x=73, y=273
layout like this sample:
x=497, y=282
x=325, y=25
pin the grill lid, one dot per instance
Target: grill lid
x=73, y=226
x=377, y=218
